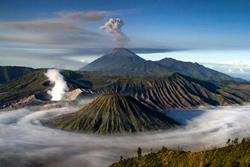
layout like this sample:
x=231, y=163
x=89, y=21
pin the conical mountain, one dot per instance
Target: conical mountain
x=123, y=61
x=110, y=114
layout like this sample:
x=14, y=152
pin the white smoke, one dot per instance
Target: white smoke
x=114, y=26
x=60, y=86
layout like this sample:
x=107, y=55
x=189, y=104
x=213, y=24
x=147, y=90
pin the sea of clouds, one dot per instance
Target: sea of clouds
x=24, y=141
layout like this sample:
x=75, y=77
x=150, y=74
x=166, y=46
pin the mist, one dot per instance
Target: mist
x=60, y=86
x=24, y=141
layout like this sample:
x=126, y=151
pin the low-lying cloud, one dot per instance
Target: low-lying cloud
x=240, y=70
x=25, y=141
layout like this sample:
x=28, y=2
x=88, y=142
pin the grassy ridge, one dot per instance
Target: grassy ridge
x=233, y=155
x=23, y=87
x=8, y=73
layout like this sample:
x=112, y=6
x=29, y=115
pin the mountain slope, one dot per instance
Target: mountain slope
x=23, y=88
x=113, y=114
x=193, y=70
x=233, y=155
x=160, y=91
x=34, y=86
x=176, y=91
x=123, y=61
x=8, y=73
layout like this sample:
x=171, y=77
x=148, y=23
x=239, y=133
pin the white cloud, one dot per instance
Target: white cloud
x=66, y=30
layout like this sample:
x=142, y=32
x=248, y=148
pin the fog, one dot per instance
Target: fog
x=24, y=141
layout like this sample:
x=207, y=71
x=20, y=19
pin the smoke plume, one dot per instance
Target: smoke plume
x=114, y=27
x=60, y=86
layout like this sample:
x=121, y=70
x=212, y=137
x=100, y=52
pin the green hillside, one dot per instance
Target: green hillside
x=24, y=87
x=8, y=73
x=233, y=155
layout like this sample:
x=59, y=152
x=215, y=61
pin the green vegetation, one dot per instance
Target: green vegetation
x=233, y=155
x=110, y=114
x=139, y=152
x=23, y=87
x=9, y=73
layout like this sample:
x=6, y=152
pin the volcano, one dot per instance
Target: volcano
x=110, y=114
x=124, y=61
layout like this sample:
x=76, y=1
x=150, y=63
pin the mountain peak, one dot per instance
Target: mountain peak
x=122, y=52
x=114, y=114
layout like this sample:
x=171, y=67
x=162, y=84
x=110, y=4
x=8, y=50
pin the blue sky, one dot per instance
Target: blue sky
x=55, y=32
x=175, y=23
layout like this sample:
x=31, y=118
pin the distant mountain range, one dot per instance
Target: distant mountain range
x=109, y=114
x=124, y=61
x=163, y=84
x=159, y=91
x=175, y=91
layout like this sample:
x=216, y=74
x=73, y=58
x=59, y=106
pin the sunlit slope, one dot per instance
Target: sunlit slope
x=113, y=114
x=234, y=155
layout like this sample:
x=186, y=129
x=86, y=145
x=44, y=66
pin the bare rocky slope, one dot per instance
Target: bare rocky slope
x=177, y=91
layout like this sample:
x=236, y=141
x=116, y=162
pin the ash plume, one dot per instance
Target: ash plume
x=60, y=86
x=114, y=27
